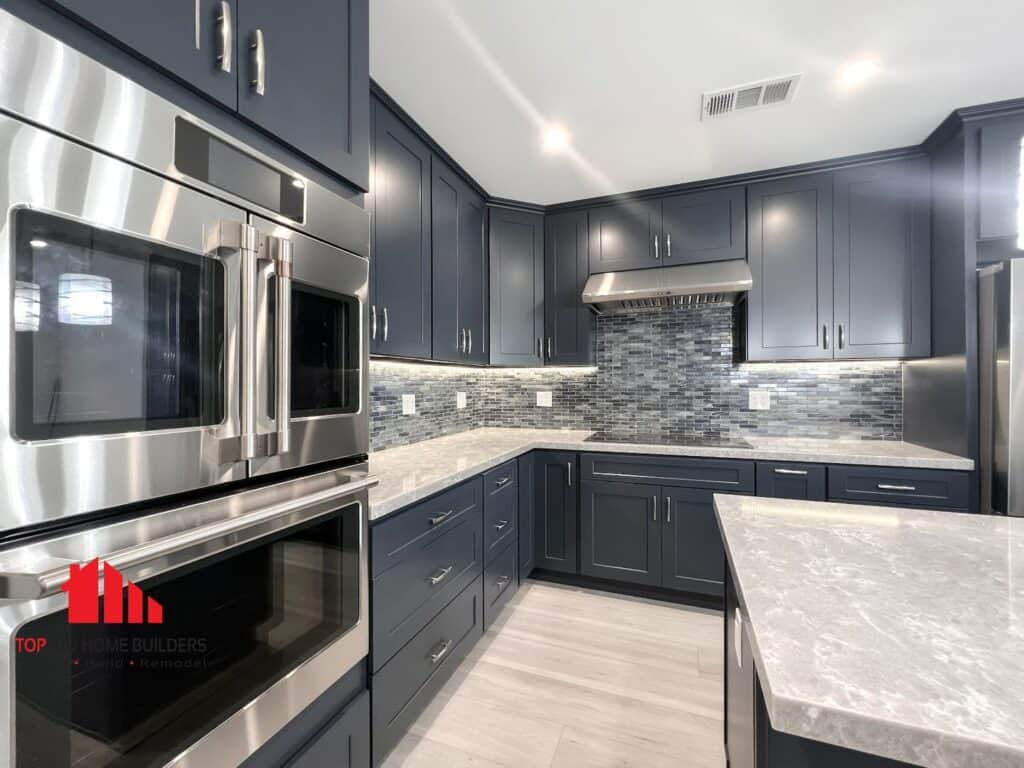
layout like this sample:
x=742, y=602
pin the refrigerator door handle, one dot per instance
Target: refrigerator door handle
x=280, y=251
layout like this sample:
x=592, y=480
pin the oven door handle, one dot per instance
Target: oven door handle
x=281, y=252
x=179, y=549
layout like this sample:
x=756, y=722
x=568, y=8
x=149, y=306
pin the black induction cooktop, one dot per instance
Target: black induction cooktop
x=693, y=441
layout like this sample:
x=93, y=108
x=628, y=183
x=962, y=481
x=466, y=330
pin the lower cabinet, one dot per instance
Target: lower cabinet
x=556, y=479
x=344, y=743
x=692, y=553
x=501, y=581
x=785, y=480
x=407, y=683
x=526, y=517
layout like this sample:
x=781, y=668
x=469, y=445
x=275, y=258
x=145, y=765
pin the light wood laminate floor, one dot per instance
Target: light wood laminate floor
x=574, y=678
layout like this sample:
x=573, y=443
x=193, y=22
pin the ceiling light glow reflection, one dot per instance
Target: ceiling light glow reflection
x=555, y=139
x=856, y=73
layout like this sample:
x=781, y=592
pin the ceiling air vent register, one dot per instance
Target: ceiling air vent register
x=764, y=93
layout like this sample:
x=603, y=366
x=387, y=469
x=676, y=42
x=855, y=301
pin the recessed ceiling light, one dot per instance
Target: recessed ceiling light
x=555, y=139
x=38, y=243
x=854, y=74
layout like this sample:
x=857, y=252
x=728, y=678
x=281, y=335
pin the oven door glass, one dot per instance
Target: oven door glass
x=113, y=333
x=133, y=695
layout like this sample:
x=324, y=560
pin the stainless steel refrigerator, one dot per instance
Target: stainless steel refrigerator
x=1001, y=386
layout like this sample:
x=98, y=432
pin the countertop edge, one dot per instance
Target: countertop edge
x=870, y=735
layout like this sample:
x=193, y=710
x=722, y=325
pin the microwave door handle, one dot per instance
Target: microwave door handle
x=250, y=374
x=283, y=331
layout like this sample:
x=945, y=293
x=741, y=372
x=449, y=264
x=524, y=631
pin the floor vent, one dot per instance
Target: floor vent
x=764, y=93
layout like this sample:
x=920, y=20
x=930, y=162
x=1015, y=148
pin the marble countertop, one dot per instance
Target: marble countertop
x=413, y=472
x=895, y=632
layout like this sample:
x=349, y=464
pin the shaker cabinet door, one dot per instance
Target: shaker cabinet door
x=692, y=552
x=623, y=237
x=882, y=260
x=555, y=518
x=789, y=308
x=517, y=287
x=400, y=263
x=705, y=226
x=188, y=40
x=568, y=322
x=304, y=77
x=620, y=532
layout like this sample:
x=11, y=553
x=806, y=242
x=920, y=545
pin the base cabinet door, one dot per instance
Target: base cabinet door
x=692, y=555
x=344, y=743
x=526, y=516
x=555, y=511
x=620, y=533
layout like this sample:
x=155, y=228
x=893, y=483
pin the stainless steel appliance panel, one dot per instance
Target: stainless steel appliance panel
x=341, y=431
x=53, y=478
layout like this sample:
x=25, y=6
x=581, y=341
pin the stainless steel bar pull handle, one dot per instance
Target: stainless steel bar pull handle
x=503, y=482
x=469, y=347
x=227, y=35
x=888, y=487
x=668, y=246
x=373, y=322
x=438, y=519
x=538, y=348
x=655, y=516
x=502, y=582
x=259, y=63
x=668, y=510
x=549, y=347
x=501, y=525
x=842, y=339
x=385, y=323
x=824, y=337
x=462, y=340
x=441, y=652
x=568, y=465
x=657, y=255
x=781, y=471
x=283, y=331
x=440, y=576
x=250, y=373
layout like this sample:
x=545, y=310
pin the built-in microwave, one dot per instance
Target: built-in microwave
x=180, y=310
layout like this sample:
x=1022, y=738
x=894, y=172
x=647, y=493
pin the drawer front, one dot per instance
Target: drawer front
x=414, y=590
x=501, y=479
x=344, y=743
x=407, y=683
x=903, y=487
x=787, y=480
x=501, y=580
x=393, y=538
x=501, y=515
x=724, y=475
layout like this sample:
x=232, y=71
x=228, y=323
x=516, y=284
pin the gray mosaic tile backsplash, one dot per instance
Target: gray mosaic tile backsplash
x=669, y=373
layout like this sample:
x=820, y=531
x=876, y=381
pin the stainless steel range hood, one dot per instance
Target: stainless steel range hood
x=719, y=282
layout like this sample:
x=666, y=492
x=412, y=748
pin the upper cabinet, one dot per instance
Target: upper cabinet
x=195, y=44
x=704, y=226
x=683, y=229
x=517, y=287
x=789, y=309
x=568, y=322
x=301, y=75
x=841, y=264
x=459, y=268
x=400, y=263
x=304, y=77
x=882, y=260
x=1001, y=166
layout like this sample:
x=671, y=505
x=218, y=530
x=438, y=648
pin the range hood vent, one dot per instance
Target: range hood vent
x=721, y=282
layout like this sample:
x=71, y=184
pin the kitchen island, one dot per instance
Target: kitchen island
x=872, y=636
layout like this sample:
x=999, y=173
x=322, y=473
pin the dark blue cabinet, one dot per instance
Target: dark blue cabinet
x=400, y=261
x=704, y=226
x=620, y=532
x=882, y=260
x=343, y=743
x=195, y=43
x=786, y=480
x=312, y=60
x=517, y=287
x=789, y=308
x=623, y=237
x=568, y=322
x=526, y=516
x=692, y=551
x=459, y=268
x=555, y=506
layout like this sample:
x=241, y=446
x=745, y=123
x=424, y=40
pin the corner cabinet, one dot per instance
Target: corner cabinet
x=459, y=268
x=301, y=76
x=841, y=264
x=400, y=261
x=517, y=287
x=568, y=322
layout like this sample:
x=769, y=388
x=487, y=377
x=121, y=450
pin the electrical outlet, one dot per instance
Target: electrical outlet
x=408, y=405
x=544, y=399
x=759, y=400
x=460, y=400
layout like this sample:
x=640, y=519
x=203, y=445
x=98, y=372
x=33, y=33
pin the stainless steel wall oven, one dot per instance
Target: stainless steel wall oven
x=181, y=311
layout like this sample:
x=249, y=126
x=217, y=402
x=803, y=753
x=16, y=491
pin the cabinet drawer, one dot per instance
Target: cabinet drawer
x=343, y=743
x=415, y=589
x=406, y=684
x=501, y=507
x=501, y=580
x=729, y=476
x=786, y=480
x=901, y=487
x=392, y=539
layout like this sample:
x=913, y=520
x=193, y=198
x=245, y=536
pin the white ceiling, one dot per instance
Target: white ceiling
x=624, y=77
